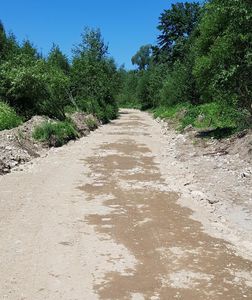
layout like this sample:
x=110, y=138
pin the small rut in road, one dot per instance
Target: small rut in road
x=175, y=259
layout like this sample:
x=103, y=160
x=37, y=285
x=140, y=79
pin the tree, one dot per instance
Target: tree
x=27, y=48
x=143, y=57
x=3, y=40
x=94, y=76
x=57, y=59
x=223, y=67
x=176, y=26
x=8, y=44
x=92, y=45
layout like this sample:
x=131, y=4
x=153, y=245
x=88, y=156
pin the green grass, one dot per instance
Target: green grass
x=130, y=105
x=91, y=123
x=210, y=115
x=55, y=133
x=165, y=112
x=212, y=119
x=8, y=117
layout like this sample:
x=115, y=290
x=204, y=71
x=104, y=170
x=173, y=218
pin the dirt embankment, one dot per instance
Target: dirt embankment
x=17, y=145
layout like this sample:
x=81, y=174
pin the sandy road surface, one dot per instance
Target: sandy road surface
x=96, y=220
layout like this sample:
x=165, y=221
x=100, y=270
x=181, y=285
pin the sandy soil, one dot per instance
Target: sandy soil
x=126, y=214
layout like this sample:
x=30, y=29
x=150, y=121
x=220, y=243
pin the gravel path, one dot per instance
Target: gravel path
x=106, y=218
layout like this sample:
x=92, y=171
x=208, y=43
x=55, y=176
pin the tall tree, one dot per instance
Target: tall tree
x=143, y=57
x=58, y=59
x=29, y=49
x=3, y=39
x=176, y=26
x=223, y=53
x=92, y=44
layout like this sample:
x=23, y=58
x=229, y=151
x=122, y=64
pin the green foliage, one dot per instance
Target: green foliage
x=94, y=77
x=56, y=133
x=176, y=26
x=8, y=117
x=170, y=112
x=28, y=49
x=91, y=123
x=92, y=45
x=223, y=65
x=33, y=87
x=143, y=57
x=128, y=94
x=210, y=115
x=57, y=59
x=149, y=86
x=201, y=68
x=21, y=83
x=213, y=119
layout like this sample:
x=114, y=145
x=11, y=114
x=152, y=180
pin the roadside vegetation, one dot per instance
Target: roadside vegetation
x=55, y=133
x=8, y=117
x=54, y=86
x=199, y=72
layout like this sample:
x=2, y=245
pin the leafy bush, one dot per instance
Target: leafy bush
x=55, y=133
x=32, y=86
x=8, y=117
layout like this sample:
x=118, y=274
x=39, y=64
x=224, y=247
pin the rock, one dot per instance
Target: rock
x=213, y=201
x=201, y=118
x=242, y=134
x=245, y=174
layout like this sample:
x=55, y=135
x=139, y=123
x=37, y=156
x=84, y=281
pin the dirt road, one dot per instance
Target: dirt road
x=96, y=220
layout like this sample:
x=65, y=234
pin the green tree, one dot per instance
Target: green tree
x=223, y=65
x=176, y=26
x=57, y=59
x=143, y=57
x=94, y=76
x=27, y=48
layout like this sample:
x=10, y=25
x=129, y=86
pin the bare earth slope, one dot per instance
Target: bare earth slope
x=108, y=217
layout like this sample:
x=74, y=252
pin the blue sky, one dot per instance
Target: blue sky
x=125, y=24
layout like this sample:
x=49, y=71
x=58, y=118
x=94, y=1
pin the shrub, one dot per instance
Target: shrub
x=8, y=117
x=55, y=133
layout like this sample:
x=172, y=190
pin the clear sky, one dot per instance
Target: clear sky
x=125, y=24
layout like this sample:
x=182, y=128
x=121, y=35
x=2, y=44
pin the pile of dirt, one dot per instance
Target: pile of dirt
x=84, y=123
x=17, y=145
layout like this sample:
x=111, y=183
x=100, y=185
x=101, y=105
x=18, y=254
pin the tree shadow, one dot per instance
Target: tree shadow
x=217, y=133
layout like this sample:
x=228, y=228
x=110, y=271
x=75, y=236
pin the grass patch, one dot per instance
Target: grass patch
x=130, y=105
x=91, y=123
x=8, y=117
x=55, y=133
x=170, y=112
x=210, y=115
x=212, y=119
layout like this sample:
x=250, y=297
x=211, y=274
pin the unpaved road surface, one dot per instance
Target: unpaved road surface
x=96, y=220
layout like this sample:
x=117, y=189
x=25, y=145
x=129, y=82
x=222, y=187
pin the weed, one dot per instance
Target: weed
x=55, y=133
